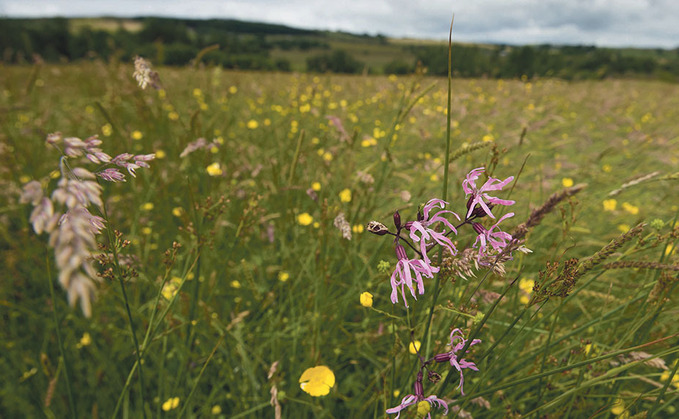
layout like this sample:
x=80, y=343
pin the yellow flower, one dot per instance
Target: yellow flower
x=317, y=381
x=137, y=135
x=177, y=211
x=610, y=204
x=214, y=169
x=283, y=276
x=146, y=231
x=423, y=408
x=235, y=284
x=160, y=154
x=197, y=92
x=316, y=186
x=171, y=287
x=24, y=179
x=623, y=228
x=107, y=130
x=216, y=409
x=366, y=299
x=327, y=156
x=567, y=182
x=414, y=347
x=171, y=403
x=233, y=90
x=252, y=124
x=345, y=195
x=358, y=228
x=526, y=284
x=84, y=341
x=147, y=206
x=634, y=210
x=434, y=177
x=369, y=142
x=305, y=219
x=488, y=137
x=606, y=168
x=173, y=116
x=618, y=407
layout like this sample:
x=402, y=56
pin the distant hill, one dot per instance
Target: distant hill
x=263, y=46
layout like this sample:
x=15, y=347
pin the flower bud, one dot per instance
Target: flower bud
x=397, y=220
x=478, y=228
x=444, y=357
x=377, y=228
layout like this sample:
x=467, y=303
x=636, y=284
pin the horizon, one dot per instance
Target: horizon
x=604, y=23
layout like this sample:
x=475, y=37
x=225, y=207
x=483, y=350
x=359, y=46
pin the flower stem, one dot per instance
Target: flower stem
x=444, y=194
x=71, y=401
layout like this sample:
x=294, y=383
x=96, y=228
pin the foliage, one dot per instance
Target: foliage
x=244, y=282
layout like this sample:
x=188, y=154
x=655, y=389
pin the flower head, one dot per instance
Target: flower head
x=317, y=381
x=457, y=342
x=424, y=404
x=479, y=195
x=427, y=234
x=492, y=238
x=403, y=277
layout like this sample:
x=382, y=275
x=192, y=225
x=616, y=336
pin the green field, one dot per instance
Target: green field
x=260, y=285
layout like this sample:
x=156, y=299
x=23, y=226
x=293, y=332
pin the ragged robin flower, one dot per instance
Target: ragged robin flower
x=479, y=196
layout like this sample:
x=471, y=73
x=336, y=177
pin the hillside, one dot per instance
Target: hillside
x=263, y=46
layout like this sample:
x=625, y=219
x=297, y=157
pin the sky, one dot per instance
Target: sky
x=604, y=23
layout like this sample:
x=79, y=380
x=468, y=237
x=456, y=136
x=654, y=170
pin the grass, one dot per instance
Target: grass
x=213, y=341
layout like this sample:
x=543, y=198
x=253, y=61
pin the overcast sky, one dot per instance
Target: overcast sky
x=615, y=23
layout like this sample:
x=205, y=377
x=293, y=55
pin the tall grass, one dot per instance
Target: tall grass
x=239, y=268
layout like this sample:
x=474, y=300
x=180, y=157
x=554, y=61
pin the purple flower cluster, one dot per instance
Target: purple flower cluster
x=433, y=228
x=424, y=404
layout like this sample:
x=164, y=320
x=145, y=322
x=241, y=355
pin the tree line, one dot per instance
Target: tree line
x=249, y=45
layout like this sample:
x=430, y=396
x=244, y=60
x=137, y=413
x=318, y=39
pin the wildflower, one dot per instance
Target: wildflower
x=305, y=219
x=316, y=186
x=171, y=403
x=317, y=381
x=283, y=276
x=214, y=169
x=479, y=195
x=567, y=182
x=414, y=347
x=610, y=204
x=366, y=299
x=497, y=240
x=137, y=135
x=632, y=209
x=357, y=228
x=526, y=286
x=451, y=356
x=252, y=124
x=425, y=221
x=148, y=206
x=618, y=407
x=405, y=277
x=85, y=340
x=177, y=211
x=424, y=404
x=216, y=409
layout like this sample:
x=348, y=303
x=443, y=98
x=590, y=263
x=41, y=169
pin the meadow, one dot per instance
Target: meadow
x=224, y=271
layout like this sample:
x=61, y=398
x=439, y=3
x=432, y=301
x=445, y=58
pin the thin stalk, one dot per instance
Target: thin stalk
x=444, y=194
x=114, y=250
x=200, y=374
x=71, y=401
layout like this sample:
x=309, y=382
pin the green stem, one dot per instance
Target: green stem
x=444, y=194
x=114, y=250
x=71, y=401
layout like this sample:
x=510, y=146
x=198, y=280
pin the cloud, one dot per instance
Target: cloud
x=648, y=23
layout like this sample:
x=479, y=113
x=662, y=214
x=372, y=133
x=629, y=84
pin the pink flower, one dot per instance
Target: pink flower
x=428, y=234
x=479, y=195
x=498, y=239
x=411, y=399
x=457, y=342
x=403, y=276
